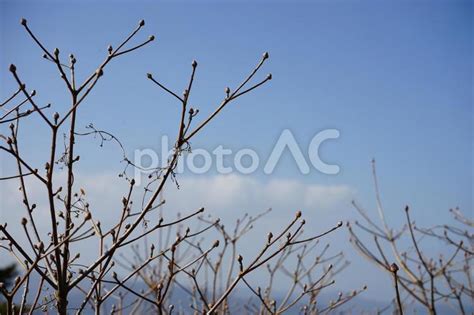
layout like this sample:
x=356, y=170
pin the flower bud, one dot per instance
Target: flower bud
x=24, y=221
x=151, y=38
x=40, y=246
x=269, y=76
x=23, y=21
x=56, y=52
x=149, y=76
x=393, y=267
x=269, y=237
x=266, y=55
x=12, y=68
x=194, y=64
x=142, y=23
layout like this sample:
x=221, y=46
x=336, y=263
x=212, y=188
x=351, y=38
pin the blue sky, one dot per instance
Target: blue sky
x=395, y=78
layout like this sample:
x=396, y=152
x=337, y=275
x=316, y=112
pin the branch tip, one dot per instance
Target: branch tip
x=394, y=268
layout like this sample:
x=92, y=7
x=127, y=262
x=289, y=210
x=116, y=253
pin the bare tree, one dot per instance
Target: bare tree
x=418, y=278
x=51, y=255
x=208, y=277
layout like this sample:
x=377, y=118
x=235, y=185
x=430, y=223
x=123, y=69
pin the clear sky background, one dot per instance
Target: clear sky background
x=395, y=78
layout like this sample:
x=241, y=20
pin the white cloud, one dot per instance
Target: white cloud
x=219, y=194
x=225, y=196
x=222, y=193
